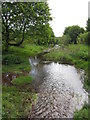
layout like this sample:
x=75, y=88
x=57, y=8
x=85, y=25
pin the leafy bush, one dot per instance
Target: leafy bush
x=65, y=40
x=83, y=38
x=73, y=32
x=11, y=59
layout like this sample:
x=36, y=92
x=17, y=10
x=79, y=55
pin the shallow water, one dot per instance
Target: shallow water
x=60, y=89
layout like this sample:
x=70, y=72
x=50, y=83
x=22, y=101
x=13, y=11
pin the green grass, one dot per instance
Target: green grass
x=22, y=80
x=16, y=103
x=27, y=50
x=17, y=58
x=18, y=98
x=72, y=54
x=25, y=66
x=83, y=113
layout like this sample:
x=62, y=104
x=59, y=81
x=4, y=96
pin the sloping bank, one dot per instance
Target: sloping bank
x=76, y=55
x=17, y=97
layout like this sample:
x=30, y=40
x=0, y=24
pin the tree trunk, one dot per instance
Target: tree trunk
x=17, y=44
x=7, y=39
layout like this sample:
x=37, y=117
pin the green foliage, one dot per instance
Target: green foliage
x=23, y=53
x=88, y=25
x=69, y=54
x=83, y=113
x=65, y=40
x=23, y=80
x=15, y=103
x=83, y=38
x=27, y=50
x=11, y=59
x=25, y=66
x=73, y=32
x=18, y=18
x=42, y=34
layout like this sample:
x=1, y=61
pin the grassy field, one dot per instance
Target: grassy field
x=18, y=98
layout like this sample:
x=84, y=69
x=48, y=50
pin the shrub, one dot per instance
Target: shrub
x=65, y=40
x=83, y=38
x=11, y=59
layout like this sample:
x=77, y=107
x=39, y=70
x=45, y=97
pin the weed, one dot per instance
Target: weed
x=22, y=80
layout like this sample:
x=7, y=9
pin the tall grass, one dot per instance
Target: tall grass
x=72, y=54
x=17, y=58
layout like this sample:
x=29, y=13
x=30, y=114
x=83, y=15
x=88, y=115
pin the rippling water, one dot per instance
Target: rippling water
x=60, y=90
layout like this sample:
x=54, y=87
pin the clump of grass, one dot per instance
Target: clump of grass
x=22, y=80
x=83, y=113
x=15, y=103
x=17, y=68
x=27, y=50
x=11, y=59
x=72, y=54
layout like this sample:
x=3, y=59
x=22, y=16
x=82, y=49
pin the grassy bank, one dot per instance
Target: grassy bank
x=17, y=58
x=17, y=103
x=75, y=55
x=83, y=114
x=72, y=54
x=18, y=98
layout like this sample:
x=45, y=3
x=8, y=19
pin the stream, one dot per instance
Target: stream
x=59, y=88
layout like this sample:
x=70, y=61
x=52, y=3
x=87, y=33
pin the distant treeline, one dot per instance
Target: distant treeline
x=75, y=34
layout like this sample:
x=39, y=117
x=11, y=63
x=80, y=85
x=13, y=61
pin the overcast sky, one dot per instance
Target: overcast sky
x=67, y=13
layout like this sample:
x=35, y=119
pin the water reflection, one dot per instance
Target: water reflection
x=60, y=85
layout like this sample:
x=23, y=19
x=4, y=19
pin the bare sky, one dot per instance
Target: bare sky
x=67, y=13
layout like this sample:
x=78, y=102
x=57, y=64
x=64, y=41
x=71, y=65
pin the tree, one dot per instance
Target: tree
x=73, y=32
x=46, y=34
x=18, y=17
x=67, y=30
x=65, y=40
x=42, y=34
x=88, y=30
x=88, y=25
x=83, y=38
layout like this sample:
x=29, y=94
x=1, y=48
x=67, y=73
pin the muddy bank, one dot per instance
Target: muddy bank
x=9, y=76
